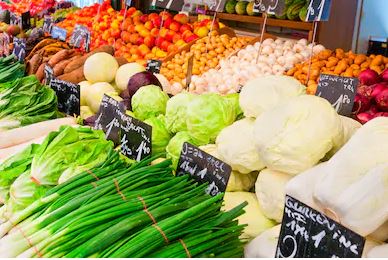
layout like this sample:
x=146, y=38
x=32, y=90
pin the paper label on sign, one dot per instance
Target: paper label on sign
x=270, y=6
x=306, y=233
x=81, y=37
x=154, y=66
x=68, y=95
x=48, y=24
x=318, y=10
x=216, y=5
x=19, y=48
x=109, y=118
x=204, y=168
x=48, y=74
x=136, y=138
x=58, y=33
x=339, y=91
x=128, y=2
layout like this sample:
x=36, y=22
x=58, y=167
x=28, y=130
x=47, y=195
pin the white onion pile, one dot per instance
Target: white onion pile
x=277, y=56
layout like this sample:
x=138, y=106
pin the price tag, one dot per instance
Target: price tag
x=48, y=24
x=19, y=48
x=128, y=2
x=26, y=20
x=204, y=168
x=154, y=66
x=58, y=33
x=175, y=5
x=109, y=118
x=216, y=5
x=136, y=138
x=48, y=74
x=339, y=91
x=318, y=10
x=306, y=233
x=81, y=37
x=4, y=44
x=15, y=20
x=68, y=96
x=270, y=6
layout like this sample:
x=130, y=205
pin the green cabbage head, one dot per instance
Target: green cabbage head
x=160, y=135
x=175, y=145
x=207, y=115
x=176, y=112
x=149, y=101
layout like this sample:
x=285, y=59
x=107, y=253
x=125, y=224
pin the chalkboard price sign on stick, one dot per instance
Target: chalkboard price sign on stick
x=175, y=5
x=136, y=138
x=48, y=24
x=204, y=168
x=306, y=233
x=109, y=118
x=270, y=6
x=68, y=96
x=154, y=66
x=318, y=10
x=58, y=33
x=48, y=74
x=15, y=20
x=19, y=48
x=80, y=37
x=339, y=91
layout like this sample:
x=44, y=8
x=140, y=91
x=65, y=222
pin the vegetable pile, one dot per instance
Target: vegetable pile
x=26, y=176
x=277, y=56
x=25, y=101
x=336, y=62
x=10, y=69
x=116, y=210
x=372, y=96
x=207, y=53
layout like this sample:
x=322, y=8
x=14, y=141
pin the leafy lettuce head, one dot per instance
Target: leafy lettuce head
x=176, y=112
x=207, y=115
x=149, y=101
x=160, y=135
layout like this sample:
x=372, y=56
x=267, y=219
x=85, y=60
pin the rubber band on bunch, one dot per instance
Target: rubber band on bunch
x=118, y=189
x=40, y=255
x=185, y=247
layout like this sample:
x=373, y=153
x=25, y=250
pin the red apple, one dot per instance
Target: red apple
x=165, y=15
x=159, y=40
x=181, y=18
x=175, y=26
x=140, y=41
x=163, y=32
x=155, y=32
x=149, y=25
x=144, y=18
x=167, y=22
x=149, y=41
x=156, y=21
x=176, y=37
x=170, y=35
x=191, y=38
x=165, y=44
x=152, y=16
x=186, y=27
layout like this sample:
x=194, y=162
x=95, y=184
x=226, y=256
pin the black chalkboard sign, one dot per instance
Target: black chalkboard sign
x=26, y=20
x=215, y=5
x=81, y=37
x=318, y=10
x=270, y=6
x=136, y=138
x=48, y=24
x=154, y=66
x=109, y=118
x=58, y=33
x=68, y=95
x=339, y=91
x=204, y=168
x=48, y=74
x=306, y=233
x=175, y=5
x=15, y=20
x=19, y=48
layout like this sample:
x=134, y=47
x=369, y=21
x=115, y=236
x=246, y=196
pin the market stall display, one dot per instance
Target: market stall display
x=247, y=108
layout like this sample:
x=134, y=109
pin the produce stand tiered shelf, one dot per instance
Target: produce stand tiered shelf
x=297, y=25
